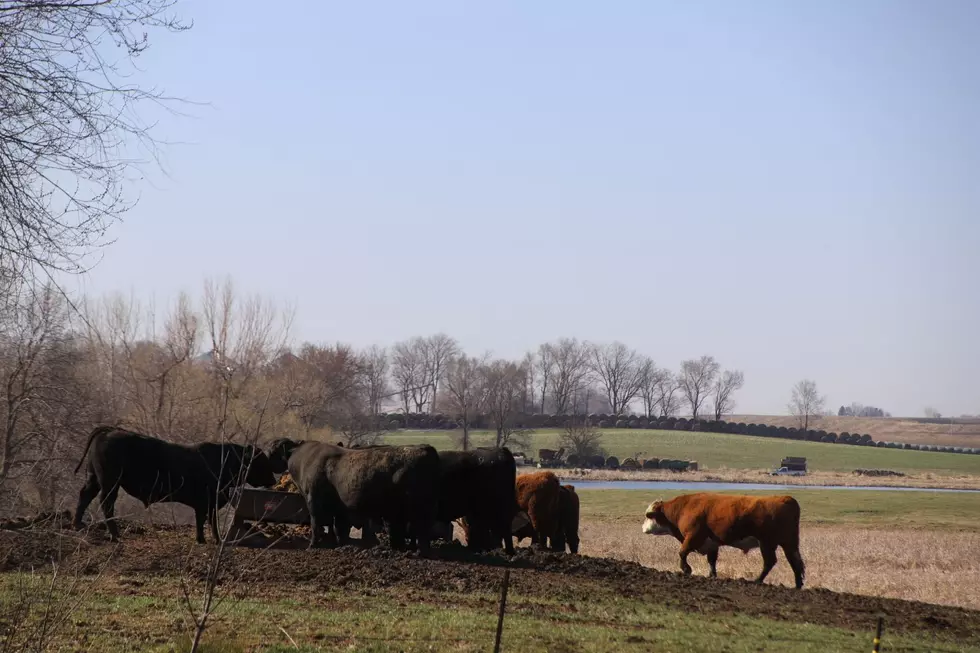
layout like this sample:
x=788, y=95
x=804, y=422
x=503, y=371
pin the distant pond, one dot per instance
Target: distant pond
x=722, y=487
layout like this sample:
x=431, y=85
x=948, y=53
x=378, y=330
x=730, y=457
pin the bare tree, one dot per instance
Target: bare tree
x=806, y=403
x=571, y=367
x=437, y=351
x=464, y=391
x=581, y=439
x=546, y=370
x=932, y=413
x=412, y=374
x=667, y=389
x=375, y=370
x=502, y=382
x=70, y=134
x=648, y=385
x=696, y=378
x=727, y=384
x=528, y=371
x=619, y=370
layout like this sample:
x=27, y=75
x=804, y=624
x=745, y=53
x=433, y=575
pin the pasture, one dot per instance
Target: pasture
x=718, y=451
x=870, y=549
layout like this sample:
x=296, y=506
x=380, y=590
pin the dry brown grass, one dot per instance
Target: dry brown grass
x=934, y=567
x=814, y=479
x=882, y=428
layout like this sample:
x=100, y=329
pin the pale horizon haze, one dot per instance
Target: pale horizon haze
x=793, y=188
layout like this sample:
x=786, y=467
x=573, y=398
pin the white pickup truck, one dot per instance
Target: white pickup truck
x=785, y=471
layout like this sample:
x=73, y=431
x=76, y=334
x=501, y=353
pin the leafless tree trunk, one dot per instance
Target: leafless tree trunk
x=546, y=367
x=806, y=403
x=696, y=378
x=619, y=370
x=69, y=124
x=648, y=385
x=725, y=387
x=439, y=349
x=571, y=367
x=528, y=368
x=502, y=384
x=374, y=363
x=412, y=373
x=667, y=389
x=464, y=391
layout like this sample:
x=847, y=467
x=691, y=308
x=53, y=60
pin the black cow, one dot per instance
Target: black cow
x=201, y=476
x=350, y=487
x=479, y=485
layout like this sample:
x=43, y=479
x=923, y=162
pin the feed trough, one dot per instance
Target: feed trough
x=258, y=506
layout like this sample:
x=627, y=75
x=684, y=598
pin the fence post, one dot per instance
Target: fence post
x=877, y=642
x=500, y=614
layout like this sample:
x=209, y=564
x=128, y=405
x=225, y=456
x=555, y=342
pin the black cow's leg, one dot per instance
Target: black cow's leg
x=396, y=534
x=342, y=527
x=213, y=519
x=713, y=562
x=768, y=561
x=108, y=502
x=200, y=515
x=85, y=496
x=319, y=518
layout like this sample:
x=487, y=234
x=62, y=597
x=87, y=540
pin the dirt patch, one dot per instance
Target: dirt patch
x=280, y=572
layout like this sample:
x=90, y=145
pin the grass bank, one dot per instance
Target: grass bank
x=717, y=450
x=151, y=618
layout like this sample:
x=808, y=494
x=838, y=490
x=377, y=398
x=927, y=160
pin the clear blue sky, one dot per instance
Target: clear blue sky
x=791, y=187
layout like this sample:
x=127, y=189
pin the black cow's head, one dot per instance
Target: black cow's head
x=279, y=451
x=260, y=472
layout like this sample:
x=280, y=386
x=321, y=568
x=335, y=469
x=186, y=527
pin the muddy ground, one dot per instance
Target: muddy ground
x=148, y=550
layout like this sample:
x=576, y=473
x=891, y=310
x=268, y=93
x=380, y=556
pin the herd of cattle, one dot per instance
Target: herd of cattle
x=409, y=491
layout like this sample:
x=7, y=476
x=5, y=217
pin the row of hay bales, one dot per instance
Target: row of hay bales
x=612, y=462
x=395, y=421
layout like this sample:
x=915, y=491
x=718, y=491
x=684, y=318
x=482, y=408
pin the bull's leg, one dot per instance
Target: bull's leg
x=558, y=541
x=692, y=542
x=713, y=563
x=85, y=496
x=108, y=502
x=768, y=561
x=796, y=562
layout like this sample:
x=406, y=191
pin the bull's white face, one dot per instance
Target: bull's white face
x=650, y=525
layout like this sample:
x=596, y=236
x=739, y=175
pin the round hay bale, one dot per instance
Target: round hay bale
x=597, y=462
x=612, y=462
x=630, y=464
x=651, y=463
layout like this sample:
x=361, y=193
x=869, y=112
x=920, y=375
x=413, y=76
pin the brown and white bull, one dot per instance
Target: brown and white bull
x=705, y=521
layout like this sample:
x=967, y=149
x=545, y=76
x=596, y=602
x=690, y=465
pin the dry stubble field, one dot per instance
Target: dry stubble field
x=916, y=546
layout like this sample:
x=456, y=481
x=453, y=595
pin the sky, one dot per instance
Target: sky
x=793, y=188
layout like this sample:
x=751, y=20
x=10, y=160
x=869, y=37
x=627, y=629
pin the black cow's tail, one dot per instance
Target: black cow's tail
x=98, y=430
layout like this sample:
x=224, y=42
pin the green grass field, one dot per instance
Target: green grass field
x=357, y=621
x=716, y=450
x=912, y=510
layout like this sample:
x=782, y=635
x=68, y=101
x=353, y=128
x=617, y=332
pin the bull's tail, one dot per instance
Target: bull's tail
x=98, y=430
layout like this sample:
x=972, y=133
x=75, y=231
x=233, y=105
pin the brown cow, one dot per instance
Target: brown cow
x=705, y=520
x=537, y=496
x=566, y=533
